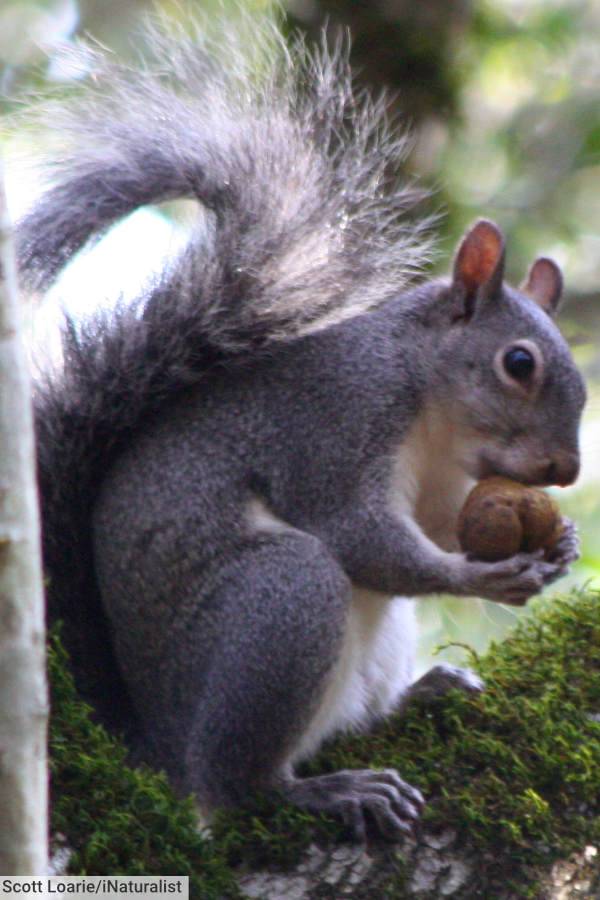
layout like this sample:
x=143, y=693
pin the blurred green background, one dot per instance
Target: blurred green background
x=503, y=99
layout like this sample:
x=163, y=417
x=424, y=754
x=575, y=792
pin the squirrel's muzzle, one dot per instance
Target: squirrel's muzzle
x=562, y=468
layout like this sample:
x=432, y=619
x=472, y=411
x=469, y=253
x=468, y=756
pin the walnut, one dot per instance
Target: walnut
x=501, y=517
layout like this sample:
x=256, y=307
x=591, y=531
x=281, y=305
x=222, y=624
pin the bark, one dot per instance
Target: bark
x=437, y=869
x=23, y=697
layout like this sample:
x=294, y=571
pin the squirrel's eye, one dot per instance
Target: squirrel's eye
x=519, y=363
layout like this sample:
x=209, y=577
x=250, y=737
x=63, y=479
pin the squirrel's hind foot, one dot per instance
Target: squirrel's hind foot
x=359, y=797
x=443, y=678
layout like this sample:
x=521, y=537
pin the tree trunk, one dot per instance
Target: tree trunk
x=23, y=697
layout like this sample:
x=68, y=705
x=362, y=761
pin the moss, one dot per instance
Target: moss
x=515, y=771
x=115, y=819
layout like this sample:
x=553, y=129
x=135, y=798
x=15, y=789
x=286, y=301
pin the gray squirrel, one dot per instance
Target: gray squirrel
x=245, y=474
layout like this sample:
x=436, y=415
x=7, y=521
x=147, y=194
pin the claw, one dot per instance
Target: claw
x=566, y=549
x=520, y=577
x=357, y=796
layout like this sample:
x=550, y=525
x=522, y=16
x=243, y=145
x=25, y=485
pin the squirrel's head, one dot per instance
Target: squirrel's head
x=503, y=370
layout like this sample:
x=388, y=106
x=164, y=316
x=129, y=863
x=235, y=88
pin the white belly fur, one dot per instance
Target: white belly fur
x=374, y=669
x=376, y=662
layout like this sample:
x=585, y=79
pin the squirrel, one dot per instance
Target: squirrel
x=246, y=474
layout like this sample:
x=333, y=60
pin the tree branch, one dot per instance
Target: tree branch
x=23, y=701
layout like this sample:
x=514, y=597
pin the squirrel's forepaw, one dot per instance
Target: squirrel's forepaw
x=512, y=581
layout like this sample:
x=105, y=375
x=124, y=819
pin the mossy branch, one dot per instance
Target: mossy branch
x=512, y=777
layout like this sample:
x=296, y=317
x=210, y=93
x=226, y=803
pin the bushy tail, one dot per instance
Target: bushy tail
x=303, y=227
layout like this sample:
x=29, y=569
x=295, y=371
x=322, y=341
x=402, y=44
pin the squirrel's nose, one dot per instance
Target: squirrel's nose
x=563, y=468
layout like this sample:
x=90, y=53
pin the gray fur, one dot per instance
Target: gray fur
x=258, y=373
x=295, y=168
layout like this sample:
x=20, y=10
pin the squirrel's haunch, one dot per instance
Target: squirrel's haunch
x=501, y=517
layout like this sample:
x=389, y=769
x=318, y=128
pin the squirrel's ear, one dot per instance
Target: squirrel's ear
x=544, y=284
x=478, y=267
